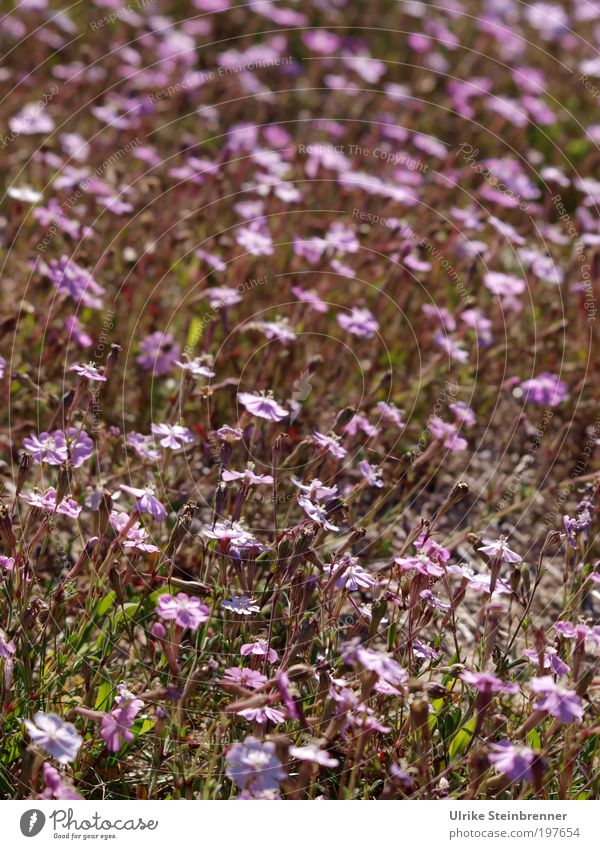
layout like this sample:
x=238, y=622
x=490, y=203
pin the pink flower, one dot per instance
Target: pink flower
x=262, y=715
x=56, y=788
x=422, y=563
x=115, y=728
x=234, y=533
x=186, y=611
x=7, y=563
x=545, y=389
x=260, y=648
x=249, y=678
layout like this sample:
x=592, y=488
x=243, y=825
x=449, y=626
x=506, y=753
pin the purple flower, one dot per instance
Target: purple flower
x=2, y=367
x=260, y=648
x=551, y=660
x=7, y=563
x=310, y=297
x=89, y=371
x=174, y=436
x=47, y=501
x=360, y=422
x=230, y=434
x=255, y=240
x=7, y=655
x=447, y=434
x=384, y=666
x=360, y=322
x=249, y=478
x=136, y=536
x=115, y=728
x=186, y=611
x=353, y=577
x=243, y=605
x=315, y=490
x=313, y=754
x=221, y=296
x=146, y=501
x=197, y=367
x=263, y=405
x=390, y=413
x=158, y=353
x=254, y=766
x=545, y=389
x=279, y=329
x=143, y=446
x=69, y=277
x=30, y=120
x=316, y=513
x=487, y=682
x=57, y=737
x=249, y=678
x=76, y=329
x=422, y=563
x=331, y=442
x=513, y=761
x=463, y=413
x=564, y=704
x=237, y=535
x=53, y=448
x=426, y=545
x=370, y=473
x=498, y=549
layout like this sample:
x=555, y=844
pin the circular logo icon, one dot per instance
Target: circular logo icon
x=32, y=822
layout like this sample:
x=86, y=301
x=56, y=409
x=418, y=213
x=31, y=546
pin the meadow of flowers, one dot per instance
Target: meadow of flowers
x=299, y=481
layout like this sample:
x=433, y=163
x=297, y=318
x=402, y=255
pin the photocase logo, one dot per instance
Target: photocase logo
x=32, y=822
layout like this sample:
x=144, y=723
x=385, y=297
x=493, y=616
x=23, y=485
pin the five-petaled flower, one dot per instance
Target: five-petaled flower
x=57, y=737
x=186, y=611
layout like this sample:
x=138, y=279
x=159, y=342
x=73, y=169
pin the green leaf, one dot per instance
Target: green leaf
x=104, y=692
x=461, y=739
x=105, y=603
